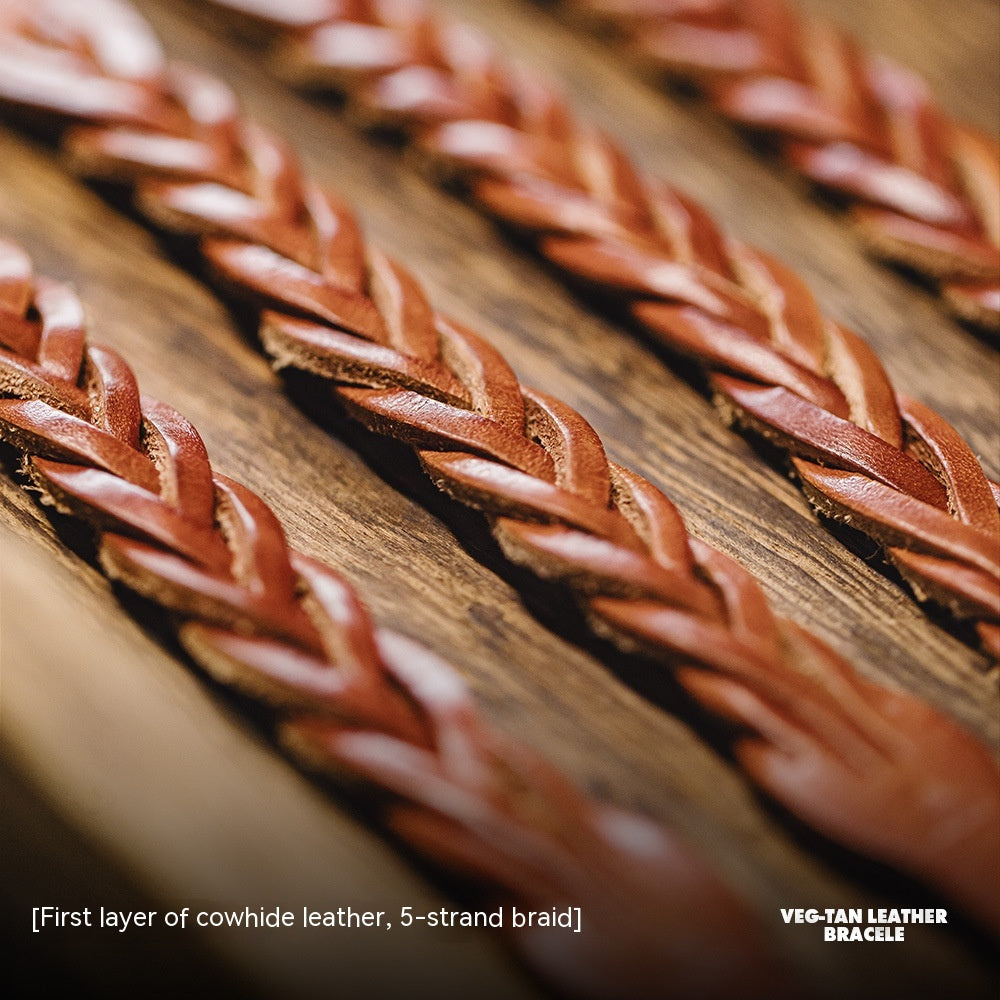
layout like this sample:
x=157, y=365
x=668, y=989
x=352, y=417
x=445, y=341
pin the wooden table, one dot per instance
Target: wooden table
x=130, y=780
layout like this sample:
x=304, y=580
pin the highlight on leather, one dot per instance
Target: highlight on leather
x=534, y=465
x=864, y=455
x=923, y=189
x=376, y=710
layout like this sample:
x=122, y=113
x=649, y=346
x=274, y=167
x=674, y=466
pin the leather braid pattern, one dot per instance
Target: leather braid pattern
x=924, y=189
x=348, y=313
x=351, y=315
x=864, y=455
x=363, y=703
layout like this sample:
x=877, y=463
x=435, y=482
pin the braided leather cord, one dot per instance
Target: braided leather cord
x=864, y=455
x=362, y=703
x=850, y=756
x=924, y=190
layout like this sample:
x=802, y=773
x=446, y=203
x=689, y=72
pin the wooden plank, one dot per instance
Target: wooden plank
x=171, y=779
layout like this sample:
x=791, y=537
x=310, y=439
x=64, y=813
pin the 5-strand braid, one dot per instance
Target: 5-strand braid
x=362, y=703
x=923, y=189
x=347, y=313
x=864, y=454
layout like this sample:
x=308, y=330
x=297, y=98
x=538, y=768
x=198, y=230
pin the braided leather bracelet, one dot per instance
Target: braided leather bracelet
x=850, y=757
x=864, y=455
x=925, y=189
x=353, y=700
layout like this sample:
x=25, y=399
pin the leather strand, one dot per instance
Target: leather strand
x=375, y=710
x=349, y=314
x=776, y=365
x=923, y=190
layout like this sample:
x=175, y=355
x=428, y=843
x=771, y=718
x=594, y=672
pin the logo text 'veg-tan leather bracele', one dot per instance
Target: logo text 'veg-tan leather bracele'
x=924, y=189
x=850, y=757
x=864, y=455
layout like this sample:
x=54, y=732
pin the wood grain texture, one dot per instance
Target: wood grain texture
x=185, y=792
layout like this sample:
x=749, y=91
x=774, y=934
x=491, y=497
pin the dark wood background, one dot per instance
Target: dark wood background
x=119, y=759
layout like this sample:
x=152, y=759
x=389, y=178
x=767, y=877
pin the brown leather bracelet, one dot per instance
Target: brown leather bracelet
x=831, y=746
x=924, y=189
x=864, y=455
x=356, y=701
